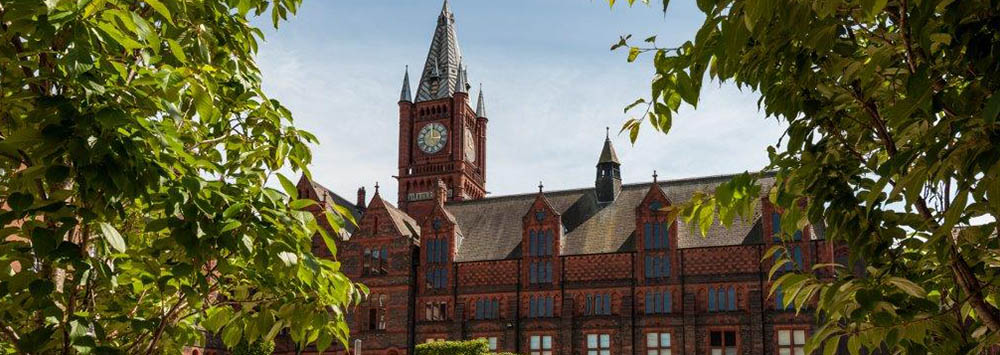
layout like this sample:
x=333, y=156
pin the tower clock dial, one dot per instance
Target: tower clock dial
x=470, y=146
x=432, y=137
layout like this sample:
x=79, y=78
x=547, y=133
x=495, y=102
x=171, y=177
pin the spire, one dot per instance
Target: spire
x=480, y=105
x=608, y=153
x=461, y=87
x=440, y=77
x=404, y=95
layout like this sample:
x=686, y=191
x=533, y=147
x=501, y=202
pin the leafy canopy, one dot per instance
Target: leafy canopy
x=135, y=144
x=893, y=143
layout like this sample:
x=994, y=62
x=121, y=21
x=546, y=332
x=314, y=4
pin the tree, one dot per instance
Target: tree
x=136, y=144
x=892, y=144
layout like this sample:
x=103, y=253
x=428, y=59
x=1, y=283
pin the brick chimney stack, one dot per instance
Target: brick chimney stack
x=361, y=198
x=440, y=193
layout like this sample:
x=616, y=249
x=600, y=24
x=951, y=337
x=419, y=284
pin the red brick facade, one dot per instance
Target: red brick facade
x=566, y=272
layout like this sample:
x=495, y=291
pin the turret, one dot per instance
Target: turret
x=609, y=177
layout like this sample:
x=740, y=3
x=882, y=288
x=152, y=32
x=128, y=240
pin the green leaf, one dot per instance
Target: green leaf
x=112, y=236
x=634, y=103
x=633, y=52
x=20, y=201
x=177, y=50
x=992, y=108
x=160, y=9
x=289, y=187
x=907, y=286
x=301, y=203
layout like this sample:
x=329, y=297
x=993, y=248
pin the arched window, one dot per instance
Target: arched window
x=711, y=299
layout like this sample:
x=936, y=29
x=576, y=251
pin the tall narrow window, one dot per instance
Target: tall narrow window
x=711, y=299
x=532, y=243
x=732, y=298
x=797, y=255
x=598, y=344
x=776, y=226
x=721, y=299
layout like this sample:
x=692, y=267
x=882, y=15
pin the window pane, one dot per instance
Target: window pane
x=731, y=351
x=651, y=352
x=546, y=353
x=722, y=299
x=784, y=351
x=664, y=351
x=607, y=304
x=711, y=299
x=547, y=342
x=665, y=340
x=592, y=352
x=649, y=235
x=591, y=341
x=605, y=352
x=715, y=338
x=605, y=341
x=716, y=351
x=666, y=302
x=800, y=351
x=535, y=342
x=732, y=299
x=730, y=338
x=493, y=343
x=784, y=337
x=651, y=340
x=800, y=337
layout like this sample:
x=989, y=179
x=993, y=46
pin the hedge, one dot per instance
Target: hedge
x=467, y=347
x=259, y=347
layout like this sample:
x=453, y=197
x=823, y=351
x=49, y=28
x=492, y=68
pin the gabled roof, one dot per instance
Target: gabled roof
x=403, y=223
x=324, y=195
x=492, y=226
x=440, y=77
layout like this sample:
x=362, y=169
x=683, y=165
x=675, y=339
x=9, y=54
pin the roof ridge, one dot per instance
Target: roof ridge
x=631, y=185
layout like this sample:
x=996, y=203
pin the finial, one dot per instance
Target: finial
x=376, y=187
x=607, y=133
x=540, y=186
x=654, y=176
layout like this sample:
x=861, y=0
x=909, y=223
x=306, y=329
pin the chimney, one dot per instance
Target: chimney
x=361, y=198
x=440, y=193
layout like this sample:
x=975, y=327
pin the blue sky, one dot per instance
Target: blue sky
x=551, y=86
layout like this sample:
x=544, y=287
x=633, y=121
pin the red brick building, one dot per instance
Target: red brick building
x=597, y=270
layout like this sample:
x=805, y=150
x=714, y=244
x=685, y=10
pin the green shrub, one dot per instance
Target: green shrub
x=467, y=347
x=259, y=347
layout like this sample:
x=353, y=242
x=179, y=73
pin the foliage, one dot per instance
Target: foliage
x=259, y=347
x=892, y=142
x=135, y=143
x=466, y=347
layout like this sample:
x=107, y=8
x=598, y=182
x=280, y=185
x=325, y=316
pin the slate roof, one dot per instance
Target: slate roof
x=440, y=77
x=608, y=153
x=492, y=226
x=403, y=222
x=325, y=195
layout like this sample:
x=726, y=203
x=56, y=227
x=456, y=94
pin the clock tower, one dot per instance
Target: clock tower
x=441, y=137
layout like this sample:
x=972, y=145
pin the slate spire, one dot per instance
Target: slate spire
x=442, y=69
x=608, y=152
x=404, y=94
x=480, y=105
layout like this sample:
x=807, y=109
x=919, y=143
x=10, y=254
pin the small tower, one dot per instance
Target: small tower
x=609, y=177
x=404, y=94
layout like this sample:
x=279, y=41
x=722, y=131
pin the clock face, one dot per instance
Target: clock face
x=470, y=146
x=432, y=138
